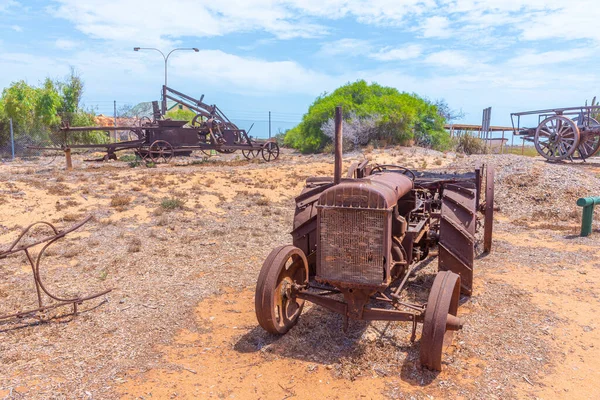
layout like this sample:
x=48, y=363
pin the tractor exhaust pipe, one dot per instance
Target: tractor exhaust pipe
x=337, y=172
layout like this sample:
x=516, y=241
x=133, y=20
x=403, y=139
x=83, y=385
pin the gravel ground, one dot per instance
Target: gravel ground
x=163, y=263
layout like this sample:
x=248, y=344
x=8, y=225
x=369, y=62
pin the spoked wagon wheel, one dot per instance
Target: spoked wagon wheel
x=270, y=151
x=440, y=319
x=556, y=138
x=277, y=309
x=589, y=142
x=250, y=154
x=161, y=150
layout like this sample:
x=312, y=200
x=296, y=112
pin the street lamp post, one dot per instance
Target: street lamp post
x=166, y=58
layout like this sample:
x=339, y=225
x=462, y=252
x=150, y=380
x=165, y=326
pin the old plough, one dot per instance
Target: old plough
x=562, y=133
x=159, y=139
x=21, y=244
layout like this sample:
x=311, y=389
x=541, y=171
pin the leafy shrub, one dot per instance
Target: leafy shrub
x=371, y=112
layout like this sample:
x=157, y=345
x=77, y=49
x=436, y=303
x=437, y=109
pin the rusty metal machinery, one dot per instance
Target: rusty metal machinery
x=25, y=246
x=361, y=238
x=562, y=133
x=159, y=140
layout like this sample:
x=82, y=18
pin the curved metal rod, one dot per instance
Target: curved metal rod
x=57, y=234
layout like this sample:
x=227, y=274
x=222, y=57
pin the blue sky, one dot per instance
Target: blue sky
x=261, y=55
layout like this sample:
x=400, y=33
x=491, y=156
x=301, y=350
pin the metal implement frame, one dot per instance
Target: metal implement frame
x=34, y=262
x=209, y=130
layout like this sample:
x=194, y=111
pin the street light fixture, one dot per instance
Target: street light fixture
x=166, y=58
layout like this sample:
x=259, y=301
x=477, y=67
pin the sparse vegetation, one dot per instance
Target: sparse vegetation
x=119, y=200
x=172, y=203
x=469, y=144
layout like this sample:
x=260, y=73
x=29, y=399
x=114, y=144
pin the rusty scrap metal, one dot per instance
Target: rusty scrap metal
x=18, y=246
x=362, y=237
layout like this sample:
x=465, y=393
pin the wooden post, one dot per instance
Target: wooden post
x=337, y=172
x=502, y=144
x=68, y=158
x=523, y=147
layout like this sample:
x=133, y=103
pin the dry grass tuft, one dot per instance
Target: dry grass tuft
x=134, y=245
x=119, y=200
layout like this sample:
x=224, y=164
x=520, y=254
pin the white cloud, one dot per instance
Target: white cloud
x=450, y=59
x=534, y=58
x=66, y=44
x=436, y=27
x=248, y=74
x=397, y=54
x=345, y=47
x=6, y=4
x=16, y=28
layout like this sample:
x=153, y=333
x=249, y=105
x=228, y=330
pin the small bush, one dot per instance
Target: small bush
x=468, y=145
x=135, y=245
x=119, y=200
x=128, y=158
x=172, y=203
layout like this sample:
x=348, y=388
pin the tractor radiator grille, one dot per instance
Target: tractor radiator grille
x=352, y=245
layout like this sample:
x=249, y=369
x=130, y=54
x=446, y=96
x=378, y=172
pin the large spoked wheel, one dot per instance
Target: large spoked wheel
x=440, y=319
x=270, y=151
x=488, y=226
x=589, y=140
x=556, y=138
x=161, y=151
x=251, y=154
x=277, y=308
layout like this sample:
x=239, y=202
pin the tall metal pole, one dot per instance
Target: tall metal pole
x=337, y=171
x=166, y=58
x=269, y=124
x=115, y=103
x=12, y=139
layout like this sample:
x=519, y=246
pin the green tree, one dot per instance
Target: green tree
x=37, y=112
x=400, y=117
x=181, y=115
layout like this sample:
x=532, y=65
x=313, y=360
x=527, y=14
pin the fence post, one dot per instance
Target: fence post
x=115, y=102
x=12, y=139
x=68, y=159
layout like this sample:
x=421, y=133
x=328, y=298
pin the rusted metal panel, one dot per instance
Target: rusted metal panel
x=457, y=234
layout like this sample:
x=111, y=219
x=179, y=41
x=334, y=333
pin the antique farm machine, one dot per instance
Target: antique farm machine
x=562, y=133
x=159, y=139
x=358, y=240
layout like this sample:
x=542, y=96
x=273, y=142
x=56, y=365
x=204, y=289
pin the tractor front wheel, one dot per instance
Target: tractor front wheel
x=277, y=308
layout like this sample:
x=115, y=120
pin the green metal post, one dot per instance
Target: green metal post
x=588, y=204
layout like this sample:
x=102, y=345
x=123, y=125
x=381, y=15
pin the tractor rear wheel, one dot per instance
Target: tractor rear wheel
x=440, y=319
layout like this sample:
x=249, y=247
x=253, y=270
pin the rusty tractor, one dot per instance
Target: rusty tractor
x=356, y=242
